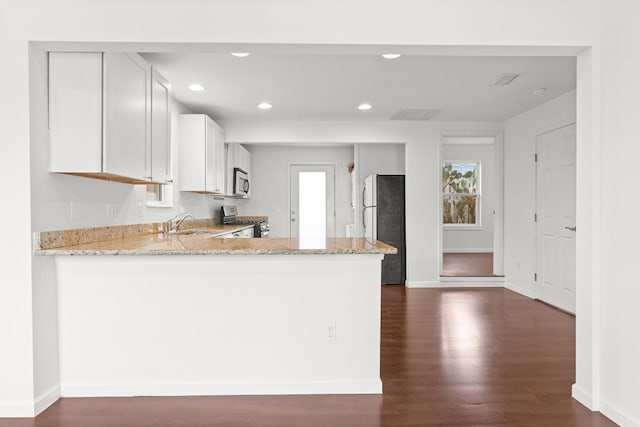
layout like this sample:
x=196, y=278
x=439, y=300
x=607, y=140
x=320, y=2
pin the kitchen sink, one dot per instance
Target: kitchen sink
x=191, y=233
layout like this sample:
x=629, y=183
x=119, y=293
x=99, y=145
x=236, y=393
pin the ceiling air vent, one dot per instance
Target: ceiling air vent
x=419, y=114
x=506, y=79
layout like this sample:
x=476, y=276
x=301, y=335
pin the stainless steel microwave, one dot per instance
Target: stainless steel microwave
x=240, y=182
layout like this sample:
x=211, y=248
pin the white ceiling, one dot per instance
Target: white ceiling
x=330, y=86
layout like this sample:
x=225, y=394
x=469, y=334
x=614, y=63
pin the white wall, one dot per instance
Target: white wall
x=618, y=339
x=45, y=314
x=270, y=181
x=371, y=159
x=219, y=325
x=384, y=159
x=520, y=185
x=474, y=240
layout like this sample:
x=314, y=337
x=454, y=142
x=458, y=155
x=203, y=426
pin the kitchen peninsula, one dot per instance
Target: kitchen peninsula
x=192, y=314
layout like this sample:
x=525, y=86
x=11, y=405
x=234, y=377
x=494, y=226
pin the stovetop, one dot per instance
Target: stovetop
x=230, y=216
x=248, y=221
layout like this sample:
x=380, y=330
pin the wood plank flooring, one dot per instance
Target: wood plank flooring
x=457, y=357
x=476, y=264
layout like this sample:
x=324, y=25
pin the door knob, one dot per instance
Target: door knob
x=570, y=228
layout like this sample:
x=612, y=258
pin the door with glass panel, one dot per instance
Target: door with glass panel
x=312, y=202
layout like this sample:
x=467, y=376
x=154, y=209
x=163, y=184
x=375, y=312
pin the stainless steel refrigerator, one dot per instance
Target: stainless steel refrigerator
x=383, y=216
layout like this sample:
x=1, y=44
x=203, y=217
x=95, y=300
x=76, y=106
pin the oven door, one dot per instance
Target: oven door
x=240, y=182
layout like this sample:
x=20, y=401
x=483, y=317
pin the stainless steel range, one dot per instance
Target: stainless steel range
x=230, y=216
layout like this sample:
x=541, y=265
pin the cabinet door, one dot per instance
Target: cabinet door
x=126, y=140
x=192, y=144
x=75, y=112
x=160, y=131
x=249, y=173
x=210, y=155
x=231, y=163
x=244, y=161
x=220, y=163
x=242, y=158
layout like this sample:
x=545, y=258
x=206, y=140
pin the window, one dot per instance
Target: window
x=160, y=196
x=461, y=194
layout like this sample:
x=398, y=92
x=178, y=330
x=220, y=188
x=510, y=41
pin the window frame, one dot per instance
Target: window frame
x=478, y=195
x=165, y=194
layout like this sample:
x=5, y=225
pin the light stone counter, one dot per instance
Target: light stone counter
x=198, y=237
x=205, y=242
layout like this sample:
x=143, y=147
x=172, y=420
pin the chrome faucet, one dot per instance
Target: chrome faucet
x=173, y=225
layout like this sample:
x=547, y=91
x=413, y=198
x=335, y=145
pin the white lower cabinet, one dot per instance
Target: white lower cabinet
x=201, y=142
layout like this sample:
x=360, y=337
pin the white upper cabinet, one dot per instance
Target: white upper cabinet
x=238, y=157
x=127, y=133
x=201, y=143
x=220, y=159
x=160, y=130
x=75, y=112
x=100, y=117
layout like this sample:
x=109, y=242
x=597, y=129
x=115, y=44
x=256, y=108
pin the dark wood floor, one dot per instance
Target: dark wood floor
x=477, y=264
x=457, y=357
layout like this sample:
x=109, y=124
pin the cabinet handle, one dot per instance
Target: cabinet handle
x=169, y=181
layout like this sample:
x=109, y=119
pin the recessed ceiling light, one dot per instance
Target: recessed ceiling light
x=264, y=106
x=196, y=87
x=538, y=91
x=364, y=106
x=240, y=54
x=391, y=55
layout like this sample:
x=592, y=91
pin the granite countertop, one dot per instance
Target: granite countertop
x=196, y=237
x=203, y=243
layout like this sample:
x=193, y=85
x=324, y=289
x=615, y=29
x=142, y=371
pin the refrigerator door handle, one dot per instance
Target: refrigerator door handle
x=364, y=223
x=364, y=190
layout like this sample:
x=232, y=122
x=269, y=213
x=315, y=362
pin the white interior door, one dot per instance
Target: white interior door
x=556, y=218
x=312, y=202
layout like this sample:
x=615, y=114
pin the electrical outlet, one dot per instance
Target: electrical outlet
x=331, y=331
x=109, y=210
x=116, y=209
x=140, y=209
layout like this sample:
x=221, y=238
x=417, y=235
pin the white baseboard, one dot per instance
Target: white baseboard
x=422, y=284
x=617, y=415
x=610, y=411
x=467, y=250
x=228, y=389
x=46, y=399
x=582, y=396
x=16, y=410
x=460, y=282
x=472, y=281
x=525, y=290
x=30, y=409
